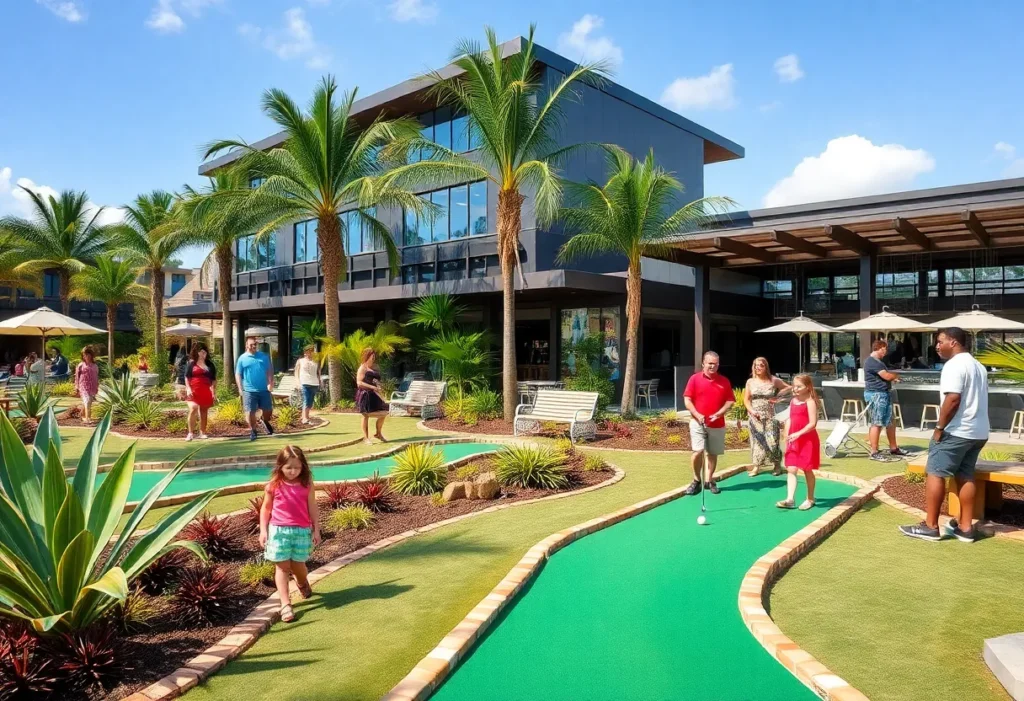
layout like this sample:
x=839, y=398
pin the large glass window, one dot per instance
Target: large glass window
x=777, y=289
x=817, y=286
x=251, y=254
x=51, y=284
x=453, y=269
x=357, y=232
x=444, y=129
x=846, y=287
x=896, y=285
x=460, y=134
x=578, y=324
x=463, y=210
x=177, y=282
x=307, y=249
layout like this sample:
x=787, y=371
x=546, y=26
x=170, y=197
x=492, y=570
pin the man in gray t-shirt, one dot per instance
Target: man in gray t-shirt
x=877, y=386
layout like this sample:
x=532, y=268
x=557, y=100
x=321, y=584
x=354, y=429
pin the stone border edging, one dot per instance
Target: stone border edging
x=769, y=568
x=212, y=439
x=433, y=669
x=242, y=636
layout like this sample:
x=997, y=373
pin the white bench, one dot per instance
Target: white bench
x=574, y=408
x=423, y=397
x=288, y=390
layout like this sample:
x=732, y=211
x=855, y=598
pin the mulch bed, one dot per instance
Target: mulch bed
x=626, y=435
x=215, y=429
x=159, y=651
x=912, y=494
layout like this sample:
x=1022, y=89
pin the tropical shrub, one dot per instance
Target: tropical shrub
x=287, y=416
x=252, y=514
x=484, y=404
x=674, y=439
x=593, y=463
x=257, y=572
x=738, y=411
x=530, y=467
x=376, y=494
x=913, y=477
x=564, y=447
x=55, y=527
x=670, y=417
x=33, y=402
x=354, y=517
x=221, y=538
x=202, y=595
x=654, y=432
x=25, y=428
x=144, y=413
x=117, y=394
x=466, y=472
x=136, y=612
x=337, y=495
x=437, y=499
x=26, y=670
x=419, y=470
x=230, y=412
x=163, y=572
x=90, y=657
x=176, y=426
x=463, y=360
x=62, y=389
x=997, y=455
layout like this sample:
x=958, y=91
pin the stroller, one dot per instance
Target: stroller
x=842, y=440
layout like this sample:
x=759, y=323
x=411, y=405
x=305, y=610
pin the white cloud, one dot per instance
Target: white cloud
x=580, y=43
x=65, y=9
x=412, y=11
x=788, y=68
x=1007, y=151
x=16, y=202
x=850, y=166
x=294, y=41
x=166, y=14
x=711, y=91
x=769, y=106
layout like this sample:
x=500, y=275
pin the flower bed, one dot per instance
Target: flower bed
x=912, y=494
x=172, y=635
x=174, y=425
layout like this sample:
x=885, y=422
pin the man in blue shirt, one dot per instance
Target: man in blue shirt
x=59, y=365
x=254, y=375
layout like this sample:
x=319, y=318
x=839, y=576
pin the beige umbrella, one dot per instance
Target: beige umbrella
x=186, y=330
x=46, y=322
x=977, y=320
x=885, y=321
x=801, y=326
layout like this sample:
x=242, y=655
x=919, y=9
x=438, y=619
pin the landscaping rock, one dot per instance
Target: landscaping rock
x=471, y=492
x=454, y=490
x=487, y=486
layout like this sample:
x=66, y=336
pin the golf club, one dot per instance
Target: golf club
x=702, y=519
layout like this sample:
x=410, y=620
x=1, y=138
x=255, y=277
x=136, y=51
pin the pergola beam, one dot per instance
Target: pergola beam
x=694, y=260
x=845, y=237
x=798, y=244
x=912, y=234
x=744, y=250
x=977, y=229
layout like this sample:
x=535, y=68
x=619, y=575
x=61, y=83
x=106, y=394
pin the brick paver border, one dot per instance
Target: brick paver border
x=241, y=637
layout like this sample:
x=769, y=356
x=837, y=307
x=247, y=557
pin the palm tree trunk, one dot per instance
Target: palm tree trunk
x=111, y=319
x=633, y=284
x=332, y=263
x=64, y=280
x=225, y=262
x=156, y=290
x=510, y=204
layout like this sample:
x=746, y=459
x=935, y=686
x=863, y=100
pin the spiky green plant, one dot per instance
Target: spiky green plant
x=438, y=312
x=1006, y=358
x=57, y=569
x=117, y=394
x=530, y=467
x=464, y=360
x=32, y=400
x=385, y=340
x=354, y=517
x=419, y=469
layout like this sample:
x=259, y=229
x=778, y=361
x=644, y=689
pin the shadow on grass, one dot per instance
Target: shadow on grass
x=449, y=544
x=251, y=662
x=336, y=599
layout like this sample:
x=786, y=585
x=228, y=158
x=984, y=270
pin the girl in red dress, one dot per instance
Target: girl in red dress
x=803, y=449
x=200, y=385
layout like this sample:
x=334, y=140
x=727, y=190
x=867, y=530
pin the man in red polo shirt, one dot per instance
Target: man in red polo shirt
x=708, y=397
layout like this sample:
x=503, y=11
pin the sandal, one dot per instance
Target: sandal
x=367, y=441
x=808, y=504
x=381, y=438
x=785, y=504
x=287, y=613
x=305, y=590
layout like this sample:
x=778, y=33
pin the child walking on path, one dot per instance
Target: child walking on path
x=290, y=524
x=803, y=448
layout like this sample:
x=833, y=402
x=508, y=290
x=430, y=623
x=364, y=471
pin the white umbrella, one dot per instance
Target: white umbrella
x=45, y=322
x=885, y=321
x=186, y=330
x=260, y=331
x=977, y=320
x=801, y=326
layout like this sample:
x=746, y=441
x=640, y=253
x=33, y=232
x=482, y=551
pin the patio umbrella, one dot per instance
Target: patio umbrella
x=885, y=321
x=45, y=322
x=977, y=320
x=260, y=331
x=186, y=330
x=801, y=326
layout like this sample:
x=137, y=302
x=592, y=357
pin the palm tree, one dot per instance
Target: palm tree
x=1006, y=358
x=151, y=236
x=64, y=233
x=12, y=274
x=437, y=312
x=631, y=216
x=327, y=163
x=515, y=117
x=112, y=282
x=385, y=340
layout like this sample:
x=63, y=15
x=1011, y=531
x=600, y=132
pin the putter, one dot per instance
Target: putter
x=704, y=469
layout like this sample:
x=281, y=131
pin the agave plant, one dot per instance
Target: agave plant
x=57, y=571
x=419, y=469
x=118, y=394
x=33, y=402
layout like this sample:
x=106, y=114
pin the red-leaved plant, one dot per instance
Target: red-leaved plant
x=203, y=594
x=221, y=538
x=90, y=657
x=376, y=494
x=337, y=495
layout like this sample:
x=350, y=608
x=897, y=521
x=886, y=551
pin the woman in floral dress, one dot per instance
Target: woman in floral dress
x=759, y=396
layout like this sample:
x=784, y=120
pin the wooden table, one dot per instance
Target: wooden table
x=5, y=405
x=989, y=478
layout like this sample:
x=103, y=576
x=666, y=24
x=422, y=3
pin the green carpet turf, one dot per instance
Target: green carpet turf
x=645, y=609
x=186, y=482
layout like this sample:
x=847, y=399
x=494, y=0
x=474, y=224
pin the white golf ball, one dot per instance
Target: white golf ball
x=701, y=520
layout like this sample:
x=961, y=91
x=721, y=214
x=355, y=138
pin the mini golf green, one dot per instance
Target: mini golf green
x=646, y=609
x=196, y=481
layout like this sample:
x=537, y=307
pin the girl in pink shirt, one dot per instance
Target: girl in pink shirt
x=87, y=381
x=290, y=524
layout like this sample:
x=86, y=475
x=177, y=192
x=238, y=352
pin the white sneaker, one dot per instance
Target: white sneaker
x=188, y=437
x=203, y=436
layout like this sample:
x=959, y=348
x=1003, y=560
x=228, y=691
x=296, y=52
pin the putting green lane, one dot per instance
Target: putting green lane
x=646, y=609
x=195, y=481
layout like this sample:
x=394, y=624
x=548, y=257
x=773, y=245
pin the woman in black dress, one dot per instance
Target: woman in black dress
x=369, y=401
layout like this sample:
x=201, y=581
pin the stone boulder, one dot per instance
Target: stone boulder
x=454, y=490
x=471, y=491
x=487, y=486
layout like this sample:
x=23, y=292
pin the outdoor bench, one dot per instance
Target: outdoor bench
x=989, y=478
x=423, y=397
x=559, y=406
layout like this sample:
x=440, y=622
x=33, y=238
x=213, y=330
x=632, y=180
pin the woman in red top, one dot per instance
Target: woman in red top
x=803, y=448
x=200, y=385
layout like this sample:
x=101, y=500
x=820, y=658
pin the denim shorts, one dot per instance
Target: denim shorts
x=954, y=456
x=309, y=395
x=881, y=407
x=254, y=401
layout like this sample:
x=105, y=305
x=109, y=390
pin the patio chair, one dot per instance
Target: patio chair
x=647, y=391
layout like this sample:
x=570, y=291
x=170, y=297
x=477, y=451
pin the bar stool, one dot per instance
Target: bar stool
x=852, y=408
x=1017, y=425
x=897, y=413
x=924, y=415
x=822, y=414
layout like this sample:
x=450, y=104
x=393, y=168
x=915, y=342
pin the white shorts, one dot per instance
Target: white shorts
x=716, y=439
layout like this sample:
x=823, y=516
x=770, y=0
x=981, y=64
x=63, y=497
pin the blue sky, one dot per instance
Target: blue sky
x=829, y=99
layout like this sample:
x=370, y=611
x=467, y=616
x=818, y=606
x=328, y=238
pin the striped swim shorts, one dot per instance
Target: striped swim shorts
x=288, y=543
